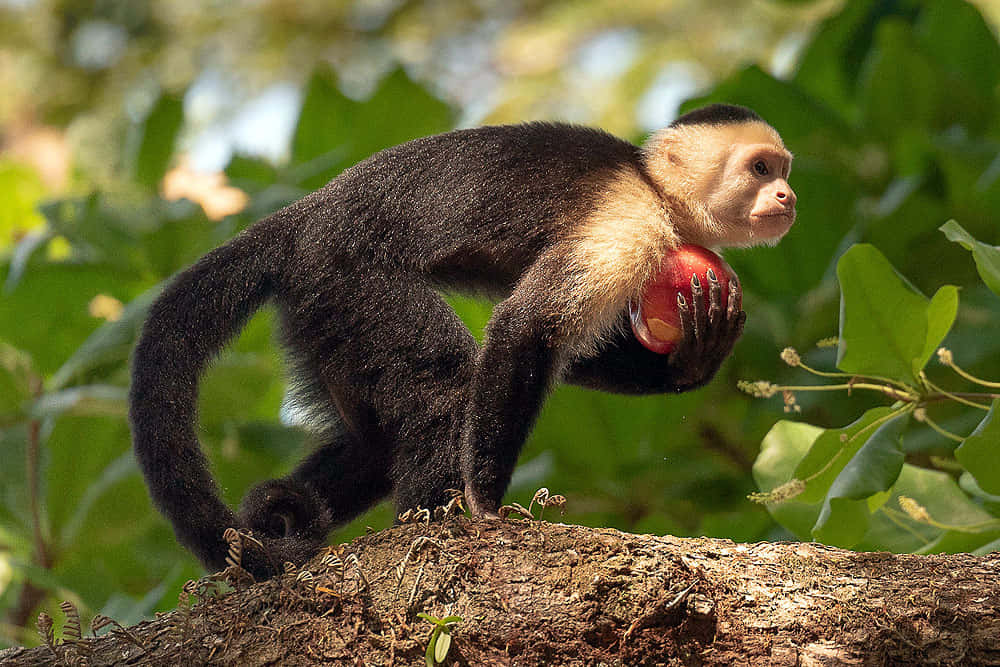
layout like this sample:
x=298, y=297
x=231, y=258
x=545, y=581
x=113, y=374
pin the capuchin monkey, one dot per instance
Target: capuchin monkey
x=564, y=225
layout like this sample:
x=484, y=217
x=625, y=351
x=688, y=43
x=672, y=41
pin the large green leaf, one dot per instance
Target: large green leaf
x=987, y=257
x=832, y=451
x=781, y=451
x=980, y=452
x=155, y=145
x=831, y=63
x=887, y=328
x=324, y=120
x=47, y=314
x=843, y=520
x=335, y=131
x=110, y=344
x=973, y=53
x=891, y=529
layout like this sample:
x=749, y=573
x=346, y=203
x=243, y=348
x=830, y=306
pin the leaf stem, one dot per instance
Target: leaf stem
x=955, y=397
x=906, y=395
x=940, y=430
x=877, y=378
x=875, y=424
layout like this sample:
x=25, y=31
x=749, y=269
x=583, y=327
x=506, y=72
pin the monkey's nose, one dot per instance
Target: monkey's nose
x=786, y=197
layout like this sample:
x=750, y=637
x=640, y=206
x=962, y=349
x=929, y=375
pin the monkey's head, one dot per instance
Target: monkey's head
x=732, y=168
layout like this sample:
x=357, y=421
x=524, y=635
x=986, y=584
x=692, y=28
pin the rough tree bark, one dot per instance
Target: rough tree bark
x=537, y=593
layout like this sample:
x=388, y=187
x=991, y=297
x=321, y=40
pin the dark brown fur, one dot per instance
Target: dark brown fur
x=555, y=220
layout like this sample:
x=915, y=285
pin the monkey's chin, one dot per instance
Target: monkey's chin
x=769, y=228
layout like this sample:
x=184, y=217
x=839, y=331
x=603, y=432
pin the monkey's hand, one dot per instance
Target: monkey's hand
x=289, y=523
x=708, y=336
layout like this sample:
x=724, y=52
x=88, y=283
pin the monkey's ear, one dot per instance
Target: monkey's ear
x=674, y=158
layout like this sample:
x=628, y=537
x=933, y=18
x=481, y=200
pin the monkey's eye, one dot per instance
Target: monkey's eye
x=760, y=167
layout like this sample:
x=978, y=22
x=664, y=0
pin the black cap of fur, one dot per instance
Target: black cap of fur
x=718, y=114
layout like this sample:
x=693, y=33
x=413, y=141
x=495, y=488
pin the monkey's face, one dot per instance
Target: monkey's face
x=736, y=174
x=752, y=201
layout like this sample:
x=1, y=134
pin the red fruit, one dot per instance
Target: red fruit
x=656, y=320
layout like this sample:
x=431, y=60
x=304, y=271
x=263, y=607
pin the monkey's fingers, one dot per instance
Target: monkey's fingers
x=714, y=298
x=735, y=302
x=735, y=316
x=724, y=333
x=682, y=355
x=697, y=308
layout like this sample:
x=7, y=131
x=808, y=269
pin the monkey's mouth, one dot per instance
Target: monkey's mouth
x=779, y=221
x=788, y=214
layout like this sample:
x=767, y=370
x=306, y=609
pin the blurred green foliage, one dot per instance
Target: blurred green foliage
x=894, y=118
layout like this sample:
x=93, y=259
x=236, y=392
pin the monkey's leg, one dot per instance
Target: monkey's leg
x=513, y=371
x=396, y=360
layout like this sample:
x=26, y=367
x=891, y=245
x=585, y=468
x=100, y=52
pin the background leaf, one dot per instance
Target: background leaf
x=979, y=452
x=887, y=328
x=987, y=257
x=843, y=521
x=157, y=138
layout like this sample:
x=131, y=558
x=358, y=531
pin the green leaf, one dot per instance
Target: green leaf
x=441, y=646
x=953, y=542
x=892, y=529
x=781, y=451
x=906, y=90
x=16, y=379
x=324, y=121
x=831, y=63
x=88, y=400
x=987, y=257
x=887, y=328
x=68, y=476
x=831, y=453
x=843, y=521
x=159, y=134
x=20, y=190
x=251, y=174
x=47, y=314
x=335, y=131
x=876, y=465
x=116, y=471
x=980, y=452
x=24, y=251
x=111, y=343
x=941, y=314
x=429, y=653
x=973, y=53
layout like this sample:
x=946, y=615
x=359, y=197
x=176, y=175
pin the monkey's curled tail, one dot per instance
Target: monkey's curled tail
x=200, y=310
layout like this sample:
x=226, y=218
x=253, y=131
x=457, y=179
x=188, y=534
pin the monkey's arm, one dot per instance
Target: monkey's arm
x=625, y=366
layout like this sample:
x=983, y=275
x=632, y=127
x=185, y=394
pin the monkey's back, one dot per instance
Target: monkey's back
x=480, y=203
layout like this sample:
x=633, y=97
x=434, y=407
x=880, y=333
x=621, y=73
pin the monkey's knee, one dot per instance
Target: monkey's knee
x=288, y=518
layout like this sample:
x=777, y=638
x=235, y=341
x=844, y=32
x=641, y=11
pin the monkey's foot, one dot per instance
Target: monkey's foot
x=289, y=523
x=479, y=508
